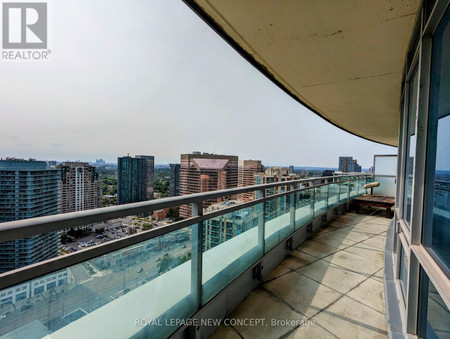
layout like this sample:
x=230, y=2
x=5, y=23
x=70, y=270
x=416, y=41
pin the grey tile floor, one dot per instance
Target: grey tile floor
x=331, y=286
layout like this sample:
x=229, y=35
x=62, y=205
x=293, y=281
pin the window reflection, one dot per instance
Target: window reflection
x=437, y=224
x=403, y=271
x=434, y=317
x=410, y=146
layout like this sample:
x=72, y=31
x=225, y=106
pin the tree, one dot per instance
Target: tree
x=184, y=258
x=147, y=226
x=166, y=264
x=174, y=214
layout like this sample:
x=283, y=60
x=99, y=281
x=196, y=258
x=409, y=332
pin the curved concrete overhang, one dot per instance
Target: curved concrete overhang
x=344, y=60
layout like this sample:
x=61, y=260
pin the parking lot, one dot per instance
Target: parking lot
x=93, y=239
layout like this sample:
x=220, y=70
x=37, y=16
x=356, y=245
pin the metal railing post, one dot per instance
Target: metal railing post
x=292, y=201
x=339, y=192
x=262, y=224
x=196, y=256
x=348, y=193
x=314, y=201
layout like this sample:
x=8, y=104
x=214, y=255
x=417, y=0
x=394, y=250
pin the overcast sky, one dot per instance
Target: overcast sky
x=150, y=77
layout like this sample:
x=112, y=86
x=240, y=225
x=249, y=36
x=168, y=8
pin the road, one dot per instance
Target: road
x=88, y=292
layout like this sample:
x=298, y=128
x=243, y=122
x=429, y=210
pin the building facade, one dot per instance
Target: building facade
x=348, y=164
x=225, y=227
x=34, y=287
x=135, y=179
x=247, y=170
x=28, y=190
x=206, y=172
x=81, y=188
x=271, y=175
x=174, y=187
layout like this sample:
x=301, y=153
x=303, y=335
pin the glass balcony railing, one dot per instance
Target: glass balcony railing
x=147, y=284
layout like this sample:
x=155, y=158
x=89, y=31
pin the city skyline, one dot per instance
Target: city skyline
x=170, y=95
x=167, y=164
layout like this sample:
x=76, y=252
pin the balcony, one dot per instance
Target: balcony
x=330, y=286
x=192, y=273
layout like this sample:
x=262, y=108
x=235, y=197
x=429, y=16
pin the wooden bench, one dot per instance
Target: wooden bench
x=376, y=201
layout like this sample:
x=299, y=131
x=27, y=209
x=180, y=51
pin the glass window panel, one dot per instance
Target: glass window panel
x=353, y=188
x=387, y=186
x=277, y=220
x=304, y=209
x=386, y=165
x=109, y=290
x=361, y=183
x=230, y=246
x=410, y=145
x=333, y=195
x=437, y=224
x=320, y=200
x=434, y=316
x=343, y=191
x=403, y=271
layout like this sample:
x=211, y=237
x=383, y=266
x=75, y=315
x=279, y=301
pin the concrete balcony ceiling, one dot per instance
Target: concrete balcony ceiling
x=342, y=59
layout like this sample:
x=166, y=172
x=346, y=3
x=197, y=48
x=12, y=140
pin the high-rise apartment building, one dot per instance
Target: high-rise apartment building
x=206, y=172
x=345, y=164
x=247, y=169
x=174, y=185
x=81, y=187
x=348, y=164
x=135, y=178
x=51, y=163
x=225, y=227
x=27, y=190
x=270, y=175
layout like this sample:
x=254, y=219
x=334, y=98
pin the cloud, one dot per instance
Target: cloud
x=150, y=77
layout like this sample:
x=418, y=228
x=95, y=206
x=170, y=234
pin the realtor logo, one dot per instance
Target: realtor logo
x=24, y=25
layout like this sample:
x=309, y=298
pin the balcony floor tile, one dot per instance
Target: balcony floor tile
x=277, y=272
x=225, y=332
x=377, y=242
x=348, y=318
x=354, y=262
x=298, y=259
x=310, y=331
x=349, y=234
x=332, y=282
x=336, y=277
x=379, y=276
x=331, y=240
x=302, y=293
x=262, y=305
x=370, y=293
x=366, y=251
x=316, y=249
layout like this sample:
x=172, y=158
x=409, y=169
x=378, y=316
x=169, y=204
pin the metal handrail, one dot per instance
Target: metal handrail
x=21, y=228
